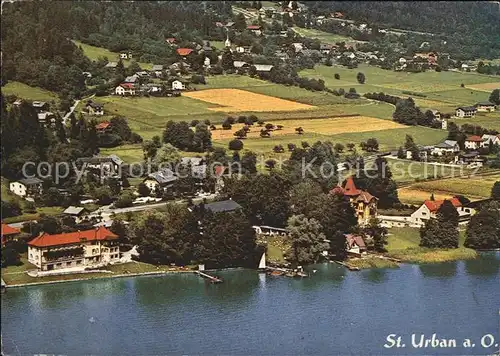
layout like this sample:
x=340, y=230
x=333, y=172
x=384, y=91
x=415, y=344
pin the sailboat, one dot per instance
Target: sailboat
x=262, y=263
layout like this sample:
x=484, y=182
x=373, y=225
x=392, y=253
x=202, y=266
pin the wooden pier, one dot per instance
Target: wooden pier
x=349, y=267
x=207, y=276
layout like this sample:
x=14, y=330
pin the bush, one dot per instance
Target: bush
x=236, y=145
x=125, y=200
x=337, y=76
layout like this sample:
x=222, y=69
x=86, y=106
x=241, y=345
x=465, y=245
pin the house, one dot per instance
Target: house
x=355, y=245
x=473, y=142
x=224, y=206
x=46, y=117
x=197, y=164
x=103, y=127
x=8, y=233
x=423, y=152
x=40, y=106
x=256, y=29
x=27, y=187
x=243, y=49
x=94, y=109
x=430, y=57
x=76, y=212
x=269, y=230
x=448, y=146
x=152, y=88
x=126, y=55
x=184, y=52
x=465, y=111
x=111, y=65
x=429, y=209
x=163, y=179
x=157, y=69
x=89, y=248
x=363, y=202
x=178, y=85
x=132, y=79
x=436, y=113
x=325, y=48
x=263, y=68
x=207, y=62
x=485, y=106
x=103, y=164
x=297, y=47
x=468, y=158
x=170, y=40
x=125, y=89
x=487, y=139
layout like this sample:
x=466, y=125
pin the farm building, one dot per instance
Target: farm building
x=125, y=89
x=473, y=142
x=465, y=111
x=9, y=233
x=27, y=187
x=485, y=106
x=94, y=109
x=448, y=146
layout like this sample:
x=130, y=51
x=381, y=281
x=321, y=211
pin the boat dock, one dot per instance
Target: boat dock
x=207, y=276
x=349, y=267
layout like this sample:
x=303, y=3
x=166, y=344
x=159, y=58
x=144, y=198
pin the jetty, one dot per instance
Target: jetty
x=349, y=267
x=209, y=277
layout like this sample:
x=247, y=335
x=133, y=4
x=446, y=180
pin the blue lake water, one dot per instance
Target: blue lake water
x=335, y=312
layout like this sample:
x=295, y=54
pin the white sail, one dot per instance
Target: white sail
x=262, y=263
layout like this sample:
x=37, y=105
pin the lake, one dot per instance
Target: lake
x=335, y=312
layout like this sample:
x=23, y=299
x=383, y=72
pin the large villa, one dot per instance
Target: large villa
x=89, y=248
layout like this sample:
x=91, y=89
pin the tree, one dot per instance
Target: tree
x=483, y=230
x=124, y=200
x=371, y=145
x=401, y=153
x=202, y=139
x=167, y=154
x=241, y=133
x=350, y=146
x=143, y=190
x=378, y=182
x=432, y=197
x=442, y=231
x=361, y=78
x=377, y=233
x=52, y=197
x=299, y=130
x=339, y=148
x=149, y=149
x=337, y=76
x=194, y=122
x=227, y=59
x=270, y=164
x=103, y=195
x=240, y=22
x=236, y=145
x=249, y=162
x=495, y=191
x=306, y=238
x=178, y=134
x=495, y=97
x=226, y=124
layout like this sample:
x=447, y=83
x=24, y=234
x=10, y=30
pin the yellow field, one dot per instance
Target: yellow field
x=330, y=126
x=485, y=86
x=235, y=100
x=415, y=196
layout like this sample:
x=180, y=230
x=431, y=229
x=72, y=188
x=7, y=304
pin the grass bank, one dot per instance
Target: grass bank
x=372, y=262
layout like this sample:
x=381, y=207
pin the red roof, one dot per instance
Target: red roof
x=433, y=205
x=253, y=27
x=338, y=190
x=219, y=170
x=350, y=187
x=354, y=239
x=365, y=197
x=474, y=138
x=103, y=125
x=47, y=240
x=184, y=51
x=7, y=230
x=127, y=85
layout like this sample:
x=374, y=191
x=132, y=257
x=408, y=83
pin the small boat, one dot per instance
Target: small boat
x=262, y=263
x=276, y=273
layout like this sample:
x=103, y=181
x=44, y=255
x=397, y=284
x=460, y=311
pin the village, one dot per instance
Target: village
x=200, y=129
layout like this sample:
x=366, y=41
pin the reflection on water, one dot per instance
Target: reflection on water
x=375, y=275
x=440, y=270
x=487, y=265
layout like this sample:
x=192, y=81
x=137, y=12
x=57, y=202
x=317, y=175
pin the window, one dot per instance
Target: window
x=424, y=214
x=59, y=264
x=79, y=262
x=68, y=264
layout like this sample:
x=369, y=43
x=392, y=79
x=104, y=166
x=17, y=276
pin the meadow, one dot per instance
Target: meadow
x=94, y=53
x=327, y=37
x=25, y=91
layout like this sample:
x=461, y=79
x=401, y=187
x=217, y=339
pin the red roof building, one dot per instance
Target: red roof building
x=474, y=138
x=46, y=240
x=433, y=205
x=253, y=27
x=102, y=126
x=184, y=51
x=8, y=232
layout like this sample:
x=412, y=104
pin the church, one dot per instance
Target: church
x=363, y=202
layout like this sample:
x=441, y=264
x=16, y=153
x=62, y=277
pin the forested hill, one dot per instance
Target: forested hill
x=472, y=26
x=36, y=35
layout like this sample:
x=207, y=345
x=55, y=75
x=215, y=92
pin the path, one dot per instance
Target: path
x=71, y=109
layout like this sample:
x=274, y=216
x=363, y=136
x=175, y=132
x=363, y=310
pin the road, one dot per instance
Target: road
x=71, y=109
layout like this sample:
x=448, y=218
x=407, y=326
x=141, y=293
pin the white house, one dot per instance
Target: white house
x=162, y=179
x=90, y=248
x=126, y=55
x=465, y=111
x=125, y=89
x=473, y=142
x=495, y=140
x=355, y=244
x=178, y=85
x=448, y=146
x=485, y=106
x=27, y=187
x=430, y=207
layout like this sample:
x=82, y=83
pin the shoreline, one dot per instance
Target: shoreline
x=367, y=266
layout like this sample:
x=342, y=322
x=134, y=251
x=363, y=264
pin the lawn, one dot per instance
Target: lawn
x=487, y=120
x=322, y=36
x=407, y=171
x=129, y=153
x=26, y=92
x=94, y=53
x=403, y=244
x=276, y=248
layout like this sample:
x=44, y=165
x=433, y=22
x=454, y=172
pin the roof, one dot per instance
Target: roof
x=38, y=104
x=94, y=105
x=184, y=51
x=170, y=40
x=132, y=78
x=157, y=67
x=102, y=125
x=100, y=159
x=365, y=197
x=433, y=205
x=223, y=206
x=74, y=210
x=485, y=103
x=8, y=230
x=352, y=239
x=29, y=181
x=450, y=142
x=350, y=188
x=446, y=144
x=163, y=176
x=474, y=138
x=127, y=85
x=466, y=108
x=263, y=67
x=111, y=65
x=47, y=240
x=253, y=27
x=239, y=64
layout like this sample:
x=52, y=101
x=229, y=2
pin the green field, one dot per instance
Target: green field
x=406, y=170
x=24, y=91
x=94, y=53
x=489, y=120
x=322, y=36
